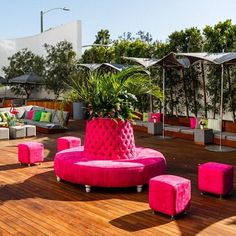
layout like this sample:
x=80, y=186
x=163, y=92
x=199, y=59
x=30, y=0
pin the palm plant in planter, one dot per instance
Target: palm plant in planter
x=110, y=99
x=113, y=95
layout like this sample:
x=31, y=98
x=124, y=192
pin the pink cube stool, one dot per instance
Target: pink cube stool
x=67, y=142
x=30, y=152
x=215, y=178
x=169, y=194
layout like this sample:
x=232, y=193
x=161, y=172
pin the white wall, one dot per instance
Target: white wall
x=70, y=32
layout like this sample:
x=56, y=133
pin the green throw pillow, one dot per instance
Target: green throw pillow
x=204, y=122
x=46, y=117
x=37, y=115
x=145, y=117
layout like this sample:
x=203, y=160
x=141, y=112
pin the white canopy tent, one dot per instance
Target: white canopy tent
x=217, y=59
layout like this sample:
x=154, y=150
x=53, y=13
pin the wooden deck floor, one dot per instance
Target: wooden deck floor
x=33, y=203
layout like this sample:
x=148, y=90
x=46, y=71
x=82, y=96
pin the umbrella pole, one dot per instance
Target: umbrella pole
x=163, y=88
x=150, y=96
x=221, y=103
x=221, y=148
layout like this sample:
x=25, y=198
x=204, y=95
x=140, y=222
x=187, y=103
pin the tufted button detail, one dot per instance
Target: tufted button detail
x=108, y=139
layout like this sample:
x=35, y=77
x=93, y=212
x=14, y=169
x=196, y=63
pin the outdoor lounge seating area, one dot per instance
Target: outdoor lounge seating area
x=120, y=122
x=183, y=127
x=44, y=119
x=30, y=193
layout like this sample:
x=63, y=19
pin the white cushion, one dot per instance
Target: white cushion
x=231, y=136
x=173, y=128
x=214, y=124
x=187, y=131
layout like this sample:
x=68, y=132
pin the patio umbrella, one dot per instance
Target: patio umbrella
x=91, y=67
x=221, y=59
x=29, y=78
x=115, y=66
x=2, y=80
x=146, y=63
x=169, y=61
x=27, y=82
x=95, y=66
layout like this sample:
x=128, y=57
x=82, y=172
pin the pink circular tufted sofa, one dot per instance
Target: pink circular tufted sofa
x=109, y=158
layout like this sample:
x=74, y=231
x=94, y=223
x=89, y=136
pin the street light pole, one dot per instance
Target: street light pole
x=41, y=21
x=44, y=12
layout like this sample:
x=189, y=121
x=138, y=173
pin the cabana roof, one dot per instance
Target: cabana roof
x=118, y=67
x=145, y=62
x=168, y=61
x=91, y=67
x=214, y=58
x=95, y=66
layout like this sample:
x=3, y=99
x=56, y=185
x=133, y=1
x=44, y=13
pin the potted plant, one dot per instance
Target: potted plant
x=110, y=100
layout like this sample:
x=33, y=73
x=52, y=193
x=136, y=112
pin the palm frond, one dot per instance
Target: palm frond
x=113, y=95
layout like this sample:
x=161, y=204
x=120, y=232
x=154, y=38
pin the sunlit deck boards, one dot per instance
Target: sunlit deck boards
x=33, y=203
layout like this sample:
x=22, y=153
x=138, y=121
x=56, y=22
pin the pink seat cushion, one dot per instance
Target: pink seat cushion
x=67, y=142
x=108, y=139
x=169, y=194
x=193, y=122
x=30, y=114
x=215, y=178
x=72, y=165
x=155, y=115
x=30, y=152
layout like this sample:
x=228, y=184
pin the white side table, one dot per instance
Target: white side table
x=155, y=128
x=17, y=132
x=30, y=130
x=203, y=136
x=4, y=133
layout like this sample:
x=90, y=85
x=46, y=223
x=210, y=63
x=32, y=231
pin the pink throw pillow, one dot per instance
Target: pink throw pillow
x=31, y=115
x=156, y=116
x=193, y=122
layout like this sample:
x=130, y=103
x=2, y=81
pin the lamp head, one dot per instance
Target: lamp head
x=65, y=9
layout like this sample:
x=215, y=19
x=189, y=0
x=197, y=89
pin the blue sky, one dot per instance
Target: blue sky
x=20, y=18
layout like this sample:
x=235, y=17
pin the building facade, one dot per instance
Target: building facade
x=70, y=32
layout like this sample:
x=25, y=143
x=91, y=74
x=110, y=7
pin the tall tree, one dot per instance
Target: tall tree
x=145, y=36
x=98, y=54
x=60, y=66
x=220, y=37
x=103, y=37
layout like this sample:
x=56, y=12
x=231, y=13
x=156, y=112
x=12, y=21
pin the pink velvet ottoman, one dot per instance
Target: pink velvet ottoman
x=67, y=142
x=30, y=152
x=215, y=178
x=169, y=194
